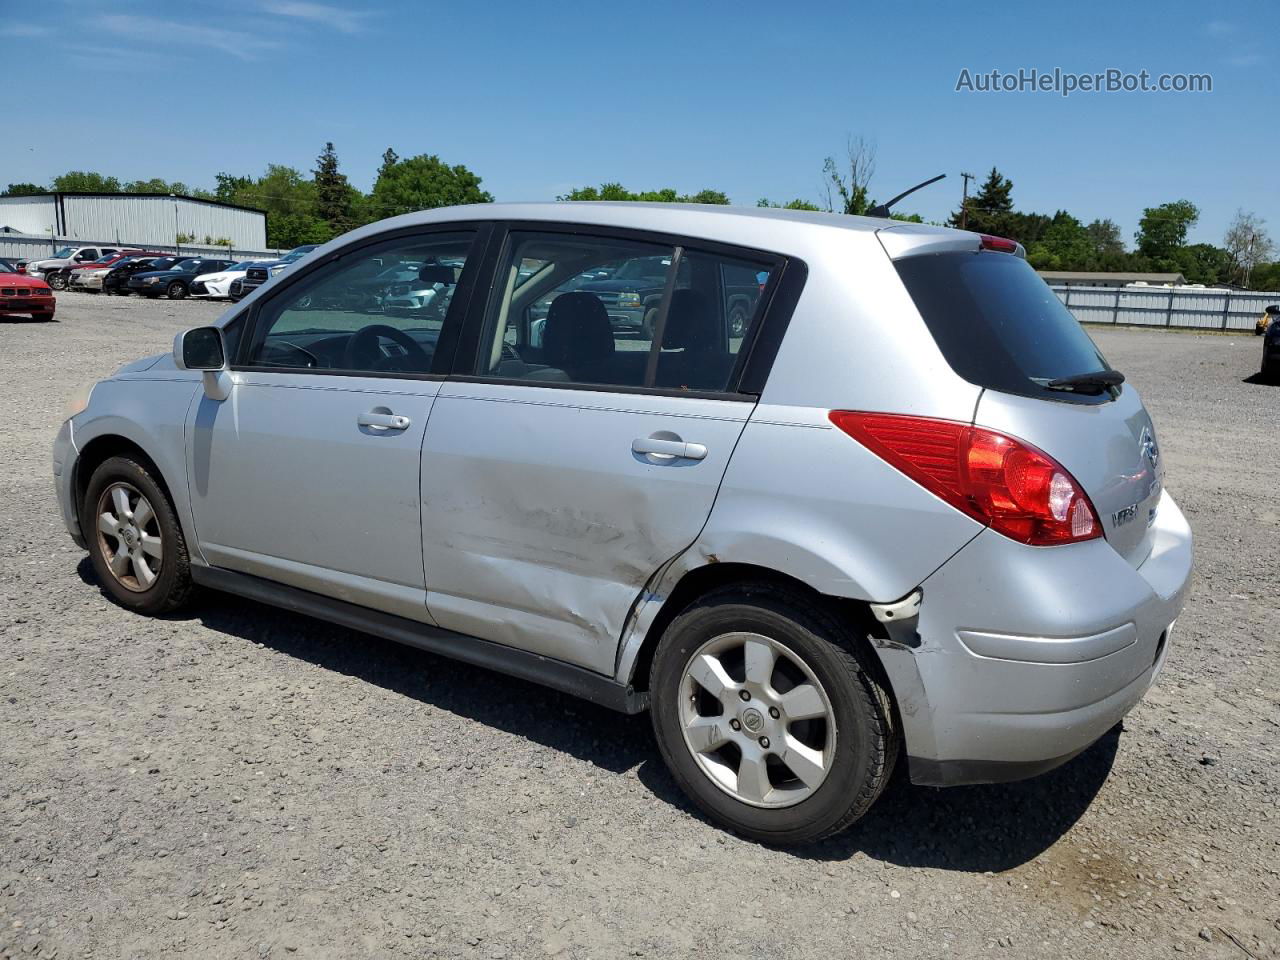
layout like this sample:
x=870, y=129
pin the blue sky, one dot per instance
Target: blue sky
x=743, y=97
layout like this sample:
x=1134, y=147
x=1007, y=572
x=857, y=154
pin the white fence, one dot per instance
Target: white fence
x=15, y=246
x=1196, y=309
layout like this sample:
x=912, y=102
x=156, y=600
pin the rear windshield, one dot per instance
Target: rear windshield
x=997, y=323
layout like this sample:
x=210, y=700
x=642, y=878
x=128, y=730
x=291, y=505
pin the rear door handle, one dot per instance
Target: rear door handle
x=668, y=449
x=383, y=421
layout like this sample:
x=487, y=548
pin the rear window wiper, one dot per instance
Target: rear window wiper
x=1092, y=383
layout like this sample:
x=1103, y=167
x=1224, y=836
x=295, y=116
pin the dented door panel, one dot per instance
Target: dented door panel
x=541, y=524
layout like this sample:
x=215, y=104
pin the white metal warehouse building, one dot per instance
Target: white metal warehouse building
x=136, y=219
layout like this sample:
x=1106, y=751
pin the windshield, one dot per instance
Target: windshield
x=64, y=253
x=297, y=254
x=107, y=258
x=997, y=323
x=7, y=266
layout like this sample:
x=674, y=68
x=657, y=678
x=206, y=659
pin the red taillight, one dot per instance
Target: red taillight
x=1011, y=486
x=1001, y=244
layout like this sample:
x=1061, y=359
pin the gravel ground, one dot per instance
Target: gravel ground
x=240, y=782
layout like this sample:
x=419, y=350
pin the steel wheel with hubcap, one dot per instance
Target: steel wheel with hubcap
x=767, y=740
x=771, y=712
x=129, y=535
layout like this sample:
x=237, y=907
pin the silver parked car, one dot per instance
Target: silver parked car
x=906, y=508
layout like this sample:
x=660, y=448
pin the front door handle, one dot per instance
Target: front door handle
x=668, y=449
x=383, y=421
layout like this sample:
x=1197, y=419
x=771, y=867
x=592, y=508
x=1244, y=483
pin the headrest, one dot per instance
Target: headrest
x=691, y=323
x=577, y=332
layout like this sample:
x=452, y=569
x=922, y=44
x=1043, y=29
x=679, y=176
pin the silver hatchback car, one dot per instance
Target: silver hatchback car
x=903, y=507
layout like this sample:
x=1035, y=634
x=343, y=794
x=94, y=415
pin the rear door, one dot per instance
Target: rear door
x=1002, y=328
x=571, y=457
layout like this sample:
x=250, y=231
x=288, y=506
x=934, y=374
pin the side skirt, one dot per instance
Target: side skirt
x=564, y=677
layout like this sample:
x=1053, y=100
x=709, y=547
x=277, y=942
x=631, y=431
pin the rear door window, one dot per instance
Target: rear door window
x=998, y=324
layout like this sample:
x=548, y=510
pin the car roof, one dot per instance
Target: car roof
x=766, y=228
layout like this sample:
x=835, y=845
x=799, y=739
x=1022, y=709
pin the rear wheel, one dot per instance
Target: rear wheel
x=135, y=542
x=176, y=290
x=770, y=716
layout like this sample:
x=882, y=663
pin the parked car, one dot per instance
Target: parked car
x=175, y=281
x=22, y=294
x=1267, y=319
x=218, y=285
x=89, y=276
x=116, y=280
x=259, y=274
x=67, y=256
x=911, y=511
x=1271, y=353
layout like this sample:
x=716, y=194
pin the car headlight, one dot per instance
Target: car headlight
x=275, y=270
x=150, y=279
x=78, y=402
x=628, y=299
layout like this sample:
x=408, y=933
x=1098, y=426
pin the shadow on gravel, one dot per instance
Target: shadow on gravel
x=1259, y=380
x=973, y=829
x=9, y=318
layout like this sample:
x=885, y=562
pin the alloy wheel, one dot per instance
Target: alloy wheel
x=129, y=537
x=757, y=720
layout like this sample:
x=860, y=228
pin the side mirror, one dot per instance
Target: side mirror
x=201, y=348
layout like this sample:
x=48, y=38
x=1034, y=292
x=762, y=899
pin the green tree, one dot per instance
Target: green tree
x=289, y=200
x=23, y=190
x=1163, y=229
x=848, y=185
x=789, y=205
x=1105, y=238
x=422, y=183
x=616, y=191
x=83, y=181
x=990, y=209
x=1203, y=263
x=333, y=193
x=1063, y=244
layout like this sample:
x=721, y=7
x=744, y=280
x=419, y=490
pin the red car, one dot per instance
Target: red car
x=21, y=294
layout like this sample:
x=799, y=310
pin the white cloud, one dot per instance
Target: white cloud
x=347, y=21
x=246, y=46
x=1220, y=28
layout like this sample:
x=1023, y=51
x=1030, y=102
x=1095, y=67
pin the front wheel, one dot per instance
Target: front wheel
x=56, y=280
x=177, y=290
x=135, y=542
x=768, y=712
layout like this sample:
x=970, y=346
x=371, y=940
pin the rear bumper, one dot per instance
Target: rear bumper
x=1027, y=655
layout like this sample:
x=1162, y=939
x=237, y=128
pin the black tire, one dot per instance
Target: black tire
x=56, y=280
x=42, y=317
x=867, y=742
x=738, y=320
x=172, y=586
x=176, y=290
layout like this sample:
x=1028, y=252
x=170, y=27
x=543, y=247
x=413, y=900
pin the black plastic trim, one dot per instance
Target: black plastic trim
x=954, y=773
x=763, y=349
x=556, y=674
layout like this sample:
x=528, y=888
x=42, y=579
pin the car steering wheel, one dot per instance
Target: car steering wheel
x=362, y=348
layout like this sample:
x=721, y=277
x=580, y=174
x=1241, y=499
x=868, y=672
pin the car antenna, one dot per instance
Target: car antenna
x=882, y=209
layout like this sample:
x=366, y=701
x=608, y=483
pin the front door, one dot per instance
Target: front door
x=308, y=474
x=574, y=458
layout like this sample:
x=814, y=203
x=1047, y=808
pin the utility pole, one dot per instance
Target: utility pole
x=964, y=199
x=1248, y=262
